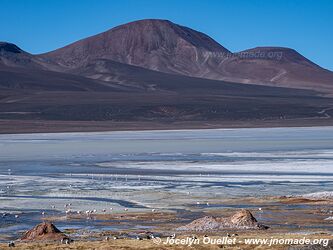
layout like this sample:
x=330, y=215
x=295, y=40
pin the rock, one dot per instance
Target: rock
x=240, y=220
x=45, y=231
x=243, y=218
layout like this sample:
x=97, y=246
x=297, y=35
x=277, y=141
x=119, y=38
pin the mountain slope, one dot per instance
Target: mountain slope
x=170, y=48
x=276, y=66
x=83, y=88
x=150, y=80
x=20, y=70
x=13, y=56
x=154, y=44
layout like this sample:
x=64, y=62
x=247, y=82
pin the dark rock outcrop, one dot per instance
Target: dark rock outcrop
x=44, y=232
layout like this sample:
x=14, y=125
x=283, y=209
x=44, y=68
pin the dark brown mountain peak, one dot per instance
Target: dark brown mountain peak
x=151, y=43
x=166, y=28
x=164, y=46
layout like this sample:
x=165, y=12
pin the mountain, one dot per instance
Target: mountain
x=13, y=56
x=276, y=66
x=153, y=44
x=163, y=46
x=154, y=74
x=20, y=70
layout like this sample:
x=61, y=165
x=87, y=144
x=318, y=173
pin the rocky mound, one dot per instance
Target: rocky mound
x=44, y=232
x=241, y=220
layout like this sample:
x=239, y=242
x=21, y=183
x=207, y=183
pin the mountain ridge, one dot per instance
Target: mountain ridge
x=158, y=76
x=164, y=46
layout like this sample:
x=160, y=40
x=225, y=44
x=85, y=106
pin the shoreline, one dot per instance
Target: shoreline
x=42, y=127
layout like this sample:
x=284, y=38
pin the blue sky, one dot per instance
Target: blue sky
x=306, y=25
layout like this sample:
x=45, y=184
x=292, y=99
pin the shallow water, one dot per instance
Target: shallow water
x=168, y=170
